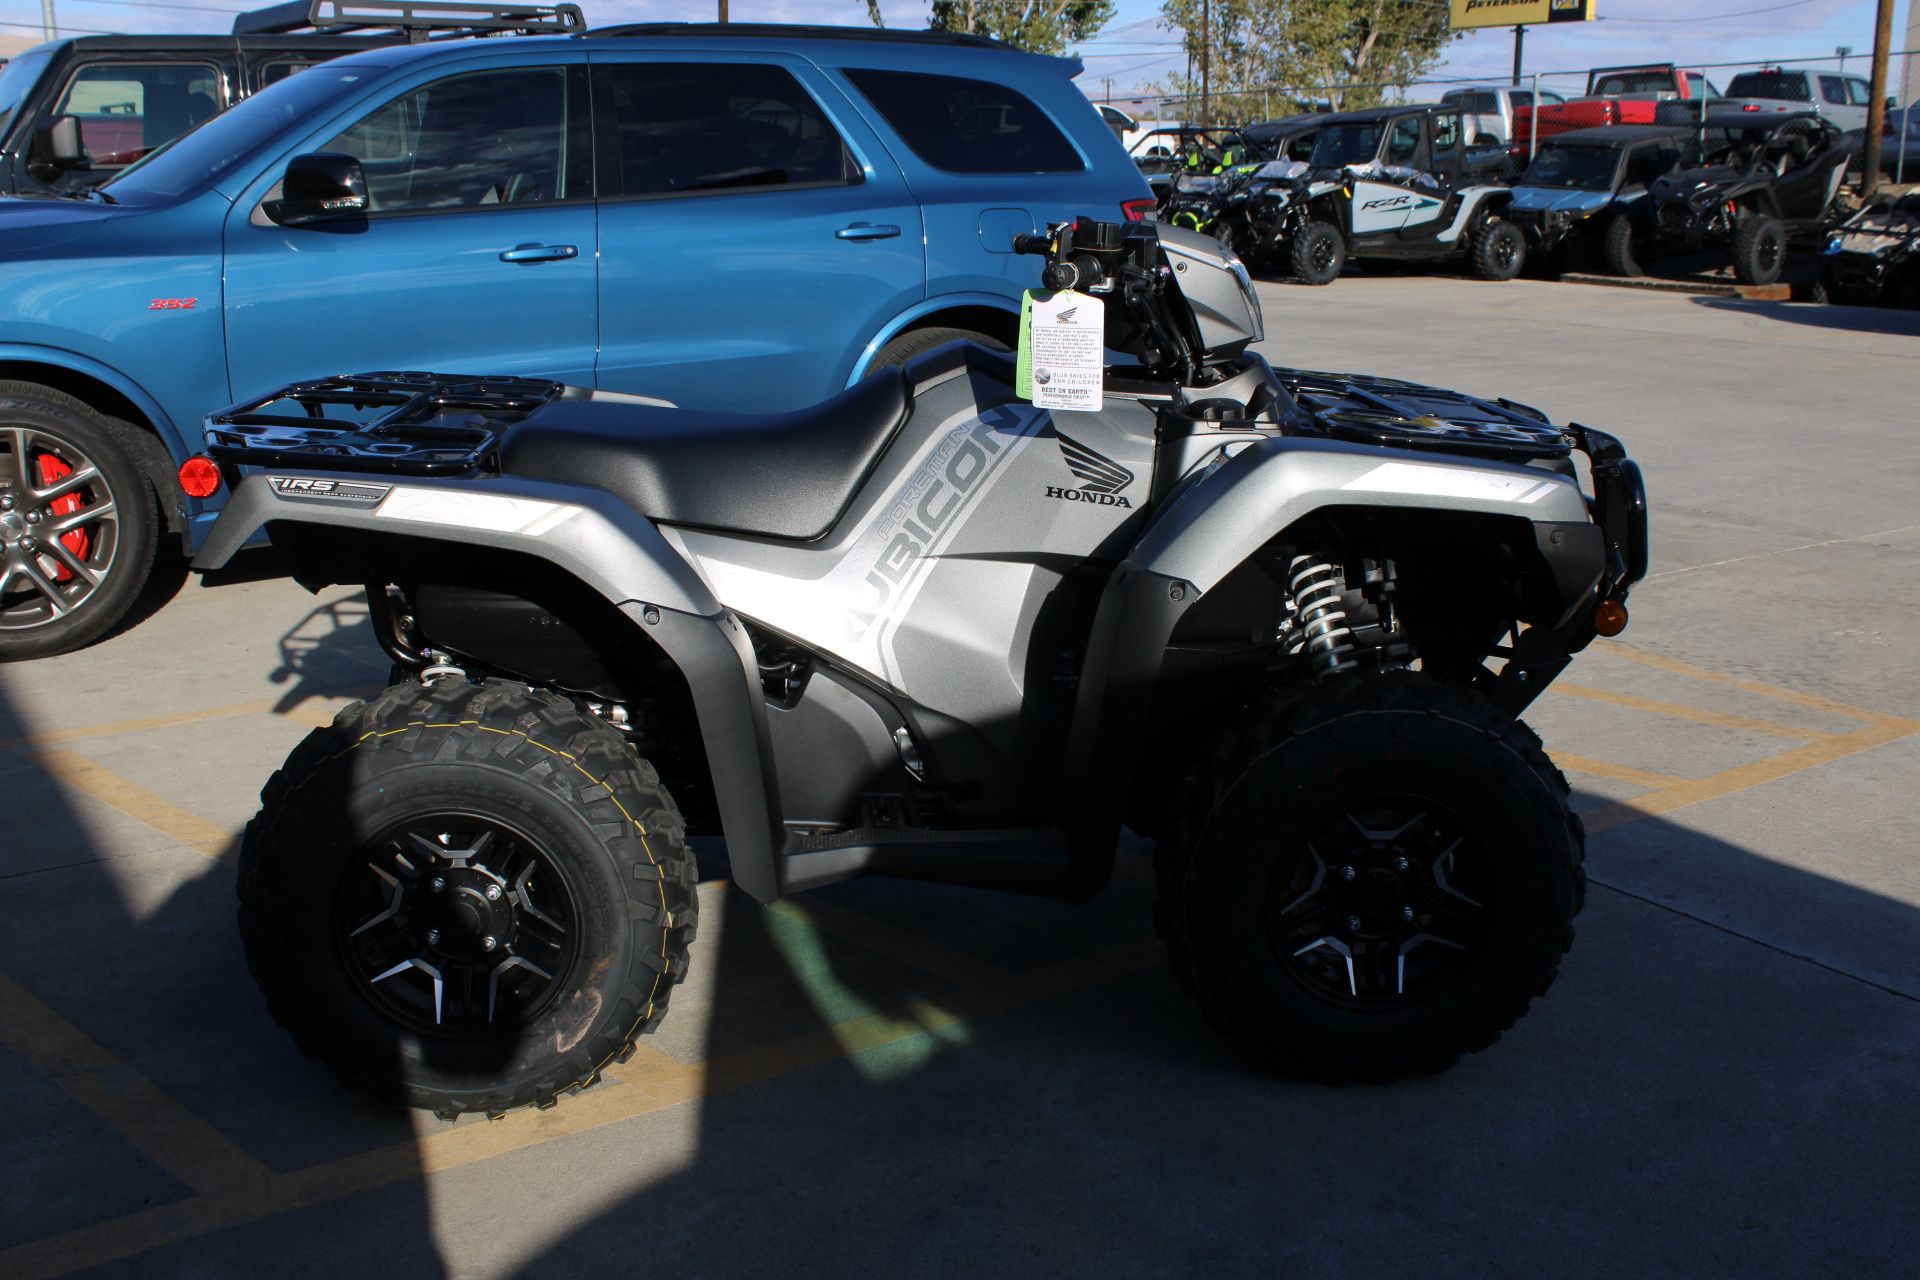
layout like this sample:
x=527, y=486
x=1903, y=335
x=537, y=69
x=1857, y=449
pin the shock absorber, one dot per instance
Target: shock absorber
x=1319, y=622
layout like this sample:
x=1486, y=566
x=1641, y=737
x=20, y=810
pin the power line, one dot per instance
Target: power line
x=1714, y=17
x=35, y=26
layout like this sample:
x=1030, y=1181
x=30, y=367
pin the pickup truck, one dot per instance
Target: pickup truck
x=75, y=112
x=1616, y=95
x=1487, y=110
x=1840, y=98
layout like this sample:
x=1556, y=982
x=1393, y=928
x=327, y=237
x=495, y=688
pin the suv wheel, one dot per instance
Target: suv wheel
x=908, y=345
x=1499, y=250
x=1759, y=249
x=78, y=522
x=1319, y=254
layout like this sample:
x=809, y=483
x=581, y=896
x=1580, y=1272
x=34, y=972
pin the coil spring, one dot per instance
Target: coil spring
x=1321, y=629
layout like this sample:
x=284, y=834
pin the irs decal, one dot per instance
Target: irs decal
x=312, y=489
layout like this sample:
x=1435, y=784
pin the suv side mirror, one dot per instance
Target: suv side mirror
x=319, y=187
x=56, y=145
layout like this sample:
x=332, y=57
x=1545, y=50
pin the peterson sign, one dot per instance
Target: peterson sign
x=1513, y=13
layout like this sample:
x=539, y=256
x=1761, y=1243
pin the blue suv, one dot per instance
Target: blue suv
x=738, y=217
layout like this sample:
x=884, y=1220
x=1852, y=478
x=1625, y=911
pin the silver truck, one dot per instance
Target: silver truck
x=1840, y=98
x=1486, y=110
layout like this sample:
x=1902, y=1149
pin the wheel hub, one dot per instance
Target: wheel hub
x=13, y=526
x=1373, y=909
x=454, y=924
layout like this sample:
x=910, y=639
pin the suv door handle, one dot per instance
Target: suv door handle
x=867, y=231
x=540, y=253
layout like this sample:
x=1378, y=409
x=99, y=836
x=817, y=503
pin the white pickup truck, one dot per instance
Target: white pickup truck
x=1841, y=98
x=1486, y=110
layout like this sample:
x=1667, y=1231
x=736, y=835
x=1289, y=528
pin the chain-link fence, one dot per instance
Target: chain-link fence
x=1838, y=87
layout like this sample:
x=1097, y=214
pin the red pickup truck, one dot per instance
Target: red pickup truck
x=1615, y=95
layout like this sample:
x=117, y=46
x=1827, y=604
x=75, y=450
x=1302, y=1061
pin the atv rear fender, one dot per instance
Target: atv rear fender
x=579, y=531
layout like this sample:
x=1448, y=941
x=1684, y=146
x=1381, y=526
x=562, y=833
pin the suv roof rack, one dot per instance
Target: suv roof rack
x=806, y=31
x=418, y=19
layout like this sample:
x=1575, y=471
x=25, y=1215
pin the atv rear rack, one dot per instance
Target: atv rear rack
x=422, y=424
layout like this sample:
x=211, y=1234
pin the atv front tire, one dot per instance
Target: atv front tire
x=1618, y=250
x=1499, y=250
x=1372, y=879
x=1759, y=250
x=466, y=897
x=1319, y=254
x=79, y=524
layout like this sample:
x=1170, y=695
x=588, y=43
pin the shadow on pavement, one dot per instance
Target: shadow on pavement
x=1686, y=1101
x=1888, y=320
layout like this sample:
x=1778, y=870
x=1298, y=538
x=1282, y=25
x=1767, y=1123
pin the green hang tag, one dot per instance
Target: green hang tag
x=1023, y=359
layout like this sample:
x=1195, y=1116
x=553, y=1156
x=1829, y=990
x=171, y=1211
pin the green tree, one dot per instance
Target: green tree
x=1040, y=26
x=1267, y=54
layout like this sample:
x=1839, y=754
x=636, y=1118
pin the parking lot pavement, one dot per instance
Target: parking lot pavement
x=914, y=1080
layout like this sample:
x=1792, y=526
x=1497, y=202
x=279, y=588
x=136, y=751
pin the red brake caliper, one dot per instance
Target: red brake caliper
x=52, y=471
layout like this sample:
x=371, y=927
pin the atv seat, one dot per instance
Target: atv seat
x=786, y=475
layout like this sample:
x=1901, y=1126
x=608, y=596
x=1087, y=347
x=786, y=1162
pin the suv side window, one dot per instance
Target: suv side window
x=968, y=126
x=494, y=137
x=1521, y=97
x=1403, y=145
x=1833, y=90
x=1859, y=92
x=126, y=109
x=275, y=72
x=1446, y=136
x=670, y=128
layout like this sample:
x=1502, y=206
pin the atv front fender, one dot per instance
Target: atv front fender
x=609, y=548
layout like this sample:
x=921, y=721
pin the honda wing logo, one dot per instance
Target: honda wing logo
x=1064, y=317
x=1101, y=478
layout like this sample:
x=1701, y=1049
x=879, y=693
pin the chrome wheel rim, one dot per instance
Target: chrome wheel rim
x=59, y=528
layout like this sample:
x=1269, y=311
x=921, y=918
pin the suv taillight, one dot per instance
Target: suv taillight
x=1137, y=210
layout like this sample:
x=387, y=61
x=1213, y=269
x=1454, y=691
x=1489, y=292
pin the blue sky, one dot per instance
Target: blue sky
x=1133, y=49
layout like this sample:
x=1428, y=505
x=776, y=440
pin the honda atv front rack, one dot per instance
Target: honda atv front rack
x=1404, y=415
x=421, y=424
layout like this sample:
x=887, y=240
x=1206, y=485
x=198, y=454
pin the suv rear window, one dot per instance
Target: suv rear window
x=681, y=127
x=1790, y=85
x=968, y=126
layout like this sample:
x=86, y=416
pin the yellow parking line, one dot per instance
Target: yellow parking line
x=1811, y=701
x=57, y=736
x=175, y=1139
x=1747, y=776
x=629, y=1094
x=1616, y=772
x=1698, y=715
x=134, y=800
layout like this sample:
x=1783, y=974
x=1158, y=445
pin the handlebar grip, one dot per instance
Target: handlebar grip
x=1040, y=246
x=1071, y=274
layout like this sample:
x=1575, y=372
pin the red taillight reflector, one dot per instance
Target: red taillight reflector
x=1137, y=210
x=199, y=477
x=1749, y=107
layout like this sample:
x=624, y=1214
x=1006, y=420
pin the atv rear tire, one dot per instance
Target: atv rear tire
x=466, y=897
x=1319, y=254
x=62, y=592
x=1499, y=250
x=1372, y=879
x=1759, y=250
x=1618, y=250
x=908, y=345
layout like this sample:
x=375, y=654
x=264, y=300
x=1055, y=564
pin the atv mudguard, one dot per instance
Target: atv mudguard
x=611, y=549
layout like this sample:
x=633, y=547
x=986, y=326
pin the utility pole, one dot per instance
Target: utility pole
x=1206, y=60
x=46, y=18
x=1877, y=98
x=723, y=10
x=1519, y=43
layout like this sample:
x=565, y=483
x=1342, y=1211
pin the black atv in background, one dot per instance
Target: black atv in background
x=1874, y=256
x=1769, y=183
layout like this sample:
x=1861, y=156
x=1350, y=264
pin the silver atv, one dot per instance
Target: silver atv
x=1282, y=622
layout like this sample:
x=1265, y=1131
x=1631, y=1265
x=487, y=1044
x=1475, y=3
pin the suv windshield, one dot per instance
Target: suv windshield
x=196, y=159
x=16, y=79
x=1339, y=145
x=1581, y=168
